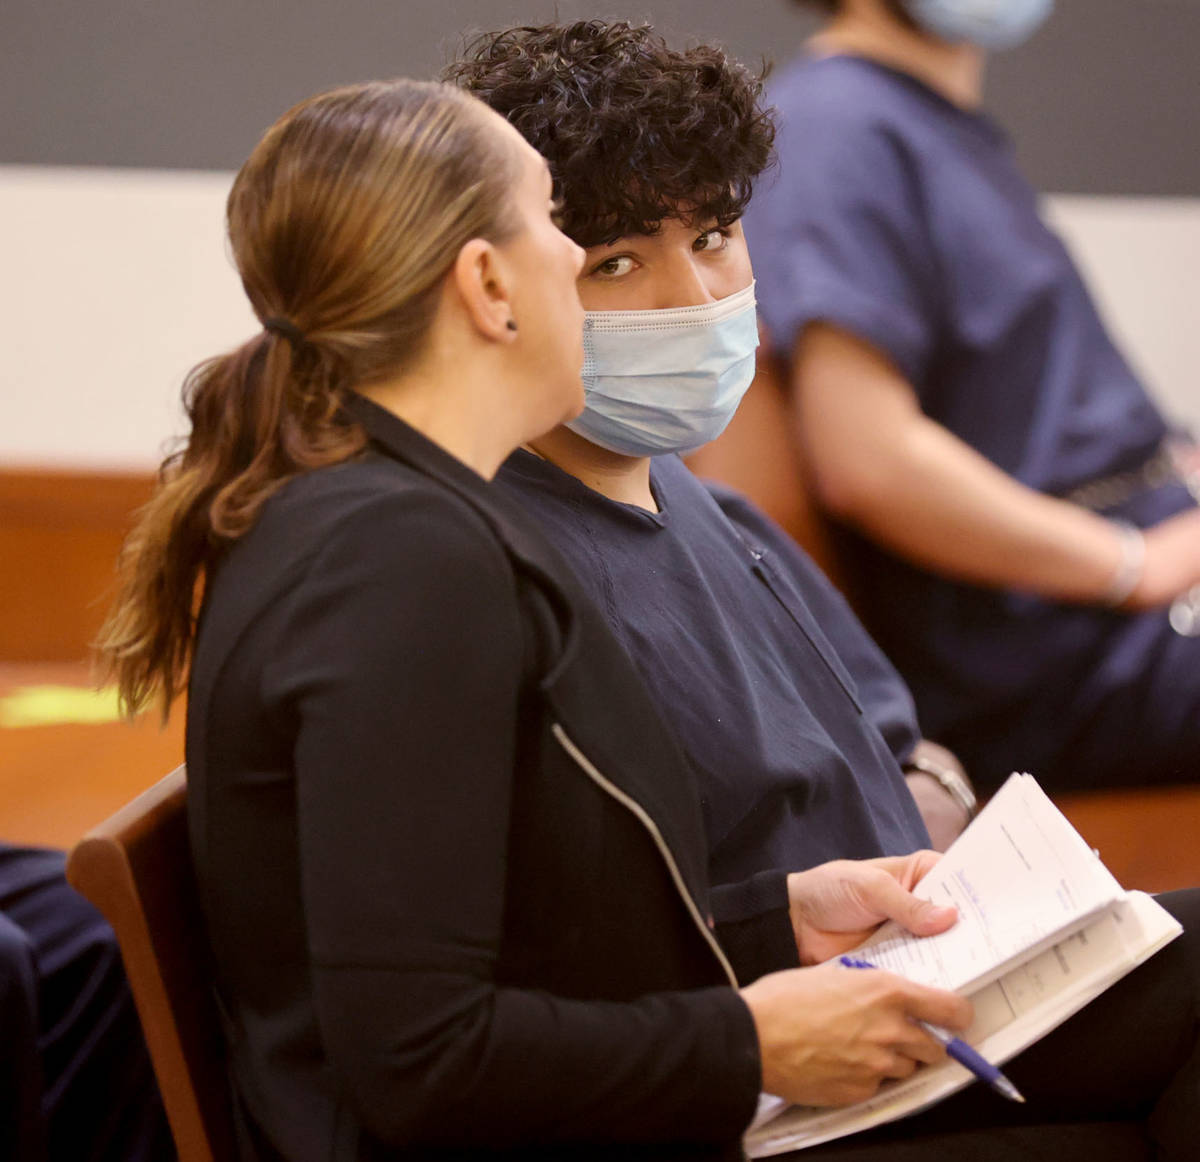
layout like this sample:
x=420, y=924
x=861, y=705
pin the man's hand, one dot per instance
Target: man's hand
x=836, y=906
x=1172, y=564
x=945, y=818
x=945, y=813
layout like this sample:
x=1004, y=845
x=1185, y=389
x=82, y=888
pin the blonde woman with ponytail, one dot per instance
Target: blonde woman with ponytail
x=450, y=860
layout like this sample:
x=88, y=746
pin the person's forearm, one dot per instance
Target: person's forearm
x=931, y=498
x=878, y=462
x=437, y=1058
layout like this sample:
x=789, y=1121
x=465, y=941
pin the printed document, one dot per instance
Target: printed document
x=1043, y=928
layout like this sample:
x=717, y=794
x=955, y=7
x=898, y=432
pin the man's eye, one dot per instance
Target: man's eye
x=556, y=213
x=715, y=239
x=615, y=267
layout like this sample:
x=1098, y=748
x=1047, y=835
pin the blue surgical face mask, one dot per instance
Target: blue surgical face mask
x=991, y=24
x=666, y=381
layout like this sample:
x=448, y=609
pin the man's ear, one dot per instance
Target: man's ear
x=483, y=286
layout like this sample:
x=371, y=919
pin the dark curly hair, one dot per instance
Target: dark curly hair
x=634, y=131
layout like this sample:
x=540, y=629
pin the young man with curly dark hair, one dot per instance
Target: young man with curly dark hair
x=656, y=199
x=794, y=720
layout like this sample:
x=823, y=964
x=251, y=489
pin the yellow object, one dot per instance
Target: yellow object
x=54, y=705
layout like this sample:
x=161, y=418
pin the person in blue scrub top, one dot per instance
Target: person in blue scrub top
x=782, y=702
x=1020, y=521
x=799, y=723
x=75, y=1077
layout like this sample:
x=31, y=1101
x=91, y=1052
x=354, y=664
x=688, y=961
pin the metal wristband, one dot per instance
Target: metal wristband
x=954, y=784
x=1129, y=571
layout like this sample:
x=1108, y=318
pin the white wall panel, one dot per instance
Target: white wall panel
x=116, y=282
x=1141, y=258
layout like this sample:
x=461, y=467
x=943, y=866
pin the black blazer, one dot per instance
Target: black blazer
x=451, y=861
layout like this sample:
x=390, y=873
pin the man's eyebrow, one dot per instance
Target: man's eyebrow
x=630, y=237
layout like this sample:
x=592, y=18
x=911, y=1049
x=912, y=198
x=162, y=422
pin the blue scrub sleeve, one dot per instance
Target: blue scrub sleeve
x=838, y=236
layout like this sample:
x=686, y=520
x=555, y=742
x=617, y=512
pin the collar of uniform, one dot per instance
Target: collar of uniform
x=545, y=474
x=978, y=119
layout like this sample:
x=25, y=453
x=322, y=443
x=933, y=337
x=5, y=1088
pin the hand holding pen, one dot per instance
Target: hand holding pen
x=828, y=1037
x=957, y=1048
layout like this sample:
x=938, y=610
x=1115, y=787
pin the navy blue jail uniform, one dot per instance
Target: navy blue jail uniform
x=751, y=652
x=794, y=720
x=75, y=1078
x=903, y=219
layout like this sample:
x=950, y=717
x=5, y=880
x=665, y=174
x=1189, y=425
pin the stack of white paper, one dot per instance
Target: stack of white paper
x=1043, y=928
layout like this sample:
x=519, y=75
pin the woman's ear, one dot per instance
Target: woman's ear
x=483, y=286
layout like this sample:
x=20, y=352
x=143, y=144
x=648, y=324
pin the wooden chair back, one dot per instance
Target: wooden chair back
x=136, y=869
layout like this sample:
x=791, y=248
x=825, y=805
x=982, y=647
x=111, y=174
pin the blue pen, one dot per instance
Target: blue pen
x=957, y=1048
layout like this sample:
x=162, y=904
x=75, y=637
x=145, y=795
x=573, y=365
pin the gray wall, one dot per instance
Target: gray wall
x=1105, y=100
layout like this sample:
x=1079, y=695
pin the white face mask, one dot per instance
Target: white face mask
x=666, y=381
x=991, y=24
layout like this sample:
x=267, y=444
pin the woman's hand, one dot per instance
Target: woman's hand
x=836, y=906
x=830, y=1036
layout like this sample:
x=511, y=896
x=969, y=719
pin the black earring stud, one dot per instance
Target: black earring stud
x=511, y=324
